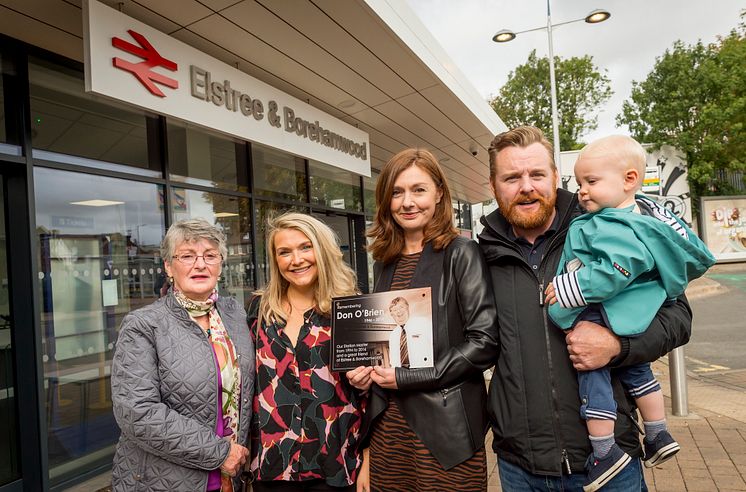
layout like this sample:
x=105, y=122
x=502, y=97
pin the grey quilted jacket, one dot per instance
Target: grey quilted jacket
x=164, y=391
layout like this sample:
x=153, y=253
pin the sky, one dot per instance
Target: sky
x=625, y=46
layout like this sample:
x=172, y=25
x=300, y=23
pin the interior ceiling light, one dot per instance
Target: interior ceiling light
x=97, y=203
x=220, y=215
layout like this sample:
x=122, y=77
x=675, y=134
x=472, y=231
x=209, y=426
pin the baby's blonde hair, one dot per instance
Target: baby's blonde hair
x=621, y=150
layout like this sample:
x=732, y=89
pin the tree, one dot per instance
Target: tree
x=525, y=99
x=695, y=100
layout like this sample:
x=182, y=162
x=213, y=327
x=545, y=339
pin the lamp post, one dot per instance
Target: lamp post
x=506, y=35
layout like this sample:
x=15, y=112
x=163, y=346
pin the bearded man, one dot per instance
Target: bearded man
x=540, y=440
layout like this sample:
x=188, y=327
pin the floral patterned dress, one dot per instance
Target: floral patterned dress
x=307, y=419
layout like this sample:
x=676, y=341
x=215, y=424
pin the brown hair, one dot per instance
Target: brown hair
x=387, y=235
x=521, y=136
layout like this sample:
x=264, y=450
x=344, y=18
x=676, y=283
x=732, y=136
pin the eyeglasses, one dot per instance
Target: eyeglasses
x=191, y=259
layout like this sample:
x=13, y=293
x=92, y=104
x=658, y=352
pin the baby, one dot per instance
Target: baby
x=621, y=261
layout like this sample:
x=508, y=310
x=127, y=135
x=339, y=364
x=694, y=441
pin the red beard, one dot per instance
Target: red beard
x=528, y=220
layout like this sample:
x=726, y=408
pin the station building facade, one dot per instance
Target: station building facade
x=118, y=118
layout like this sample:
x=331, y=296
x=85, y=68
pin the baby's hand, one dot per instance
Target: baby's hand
x=549, y=296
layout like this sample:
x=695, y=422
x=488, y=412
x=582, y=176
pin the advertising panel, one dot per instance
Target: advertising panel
x=724, y=226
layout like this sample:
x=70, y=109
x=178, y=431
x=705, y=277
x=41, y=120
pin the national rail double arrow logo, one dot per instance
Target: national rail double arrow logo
x=143, y=70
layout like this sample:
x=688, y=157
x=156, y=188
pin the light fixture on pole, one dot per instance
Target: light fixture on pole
x=505, y=35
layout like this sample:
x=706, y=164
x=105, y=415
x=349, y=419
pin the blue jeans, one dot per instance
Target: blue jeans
x=513, y=478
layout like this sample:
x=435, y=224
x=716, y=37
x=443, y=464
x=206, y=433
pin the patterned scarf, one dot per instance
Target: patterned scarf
x=230, y=372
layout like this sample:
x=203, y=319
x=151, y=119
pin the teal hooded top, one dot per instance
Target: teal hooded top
x=628, y=263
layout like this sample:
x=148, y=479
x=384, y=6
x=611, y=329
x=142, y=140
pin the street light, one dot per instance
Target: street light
x=505, y=35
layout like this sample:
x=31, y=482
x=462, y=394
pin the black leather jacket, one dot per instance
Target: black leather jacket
x=446, y=404
x=534, y=389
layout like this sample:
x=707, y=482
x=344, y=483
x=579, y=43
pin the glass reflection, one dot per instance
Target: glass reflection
x=340, y=224
x=264, y=211
x=334, y=187
x=9, y=456
x=66, y=122
x=233, y=215
x=3, y=131
x=277, y=174
x=197, y=156
x=99, y=259
x=369, y=192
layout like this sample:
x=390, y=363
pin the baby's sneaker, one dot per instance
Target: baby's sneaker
x=661, y=449
x=600, y=472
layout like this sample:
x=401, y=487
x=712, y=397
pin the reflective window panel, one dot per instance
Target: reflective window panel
x=461, y=214
x=233, y=215
x=99, y=260
x=334, y=187
x=264, y=211
x=200, y=157
x=3, y=131
x=340, y=224
x=369, y=192
x=278, y=174
x=9, y=455
x=71, y=126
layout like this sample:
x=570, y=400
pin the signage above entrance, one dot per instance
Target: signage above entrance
x=135, y=63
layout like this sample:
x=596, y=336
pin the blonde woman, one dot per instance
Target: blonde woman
x=306, y=429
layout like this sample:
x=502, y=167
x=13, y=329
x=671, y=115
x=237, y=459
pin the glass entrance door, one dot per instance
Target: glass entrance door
x=9, y=453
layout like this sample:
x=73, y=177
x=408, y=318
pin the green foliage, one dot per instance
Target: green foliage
x=695, y=100
x=525, y=99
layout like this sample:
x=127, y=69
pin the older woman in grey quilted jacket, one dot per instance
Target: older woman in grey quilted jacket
x=183, y=376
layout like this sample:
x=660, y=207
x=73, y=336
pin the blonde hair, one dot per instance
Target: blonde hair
x=620, y=150
x=335, y=277
x=387, y=237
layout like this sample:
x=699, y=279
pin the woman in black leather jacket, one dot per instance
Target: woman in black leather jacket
x=427, y=425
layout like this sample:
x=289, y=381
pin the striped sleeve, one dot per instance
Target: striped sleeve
x=567, y=290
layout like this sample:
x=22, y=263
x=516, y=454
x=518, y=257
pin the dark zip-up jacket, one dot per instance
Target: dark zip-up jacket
x=534, y=400
x=446, y=405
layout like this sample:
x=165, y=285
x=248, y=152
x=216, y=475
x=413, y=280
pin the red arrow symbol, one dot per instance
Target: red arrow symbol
x=143, y=70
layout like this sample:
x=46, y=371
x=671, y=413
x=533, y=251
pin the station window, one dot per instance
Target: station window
x=278, y=174
x=334, y=187
x=369, y=192
x=197, y=156
x=99, y=241
x=71, y=126
x=233, y=215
